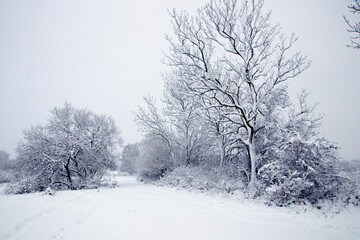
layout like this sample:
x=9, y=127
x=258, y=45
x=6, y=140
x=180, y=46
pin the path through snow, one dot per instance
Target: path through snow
x=139, y=211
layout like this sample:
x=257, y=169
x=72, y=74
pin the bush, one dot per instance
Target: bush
x=302, y=172
x=350, y=172
x=22, y=187
x=205, y=178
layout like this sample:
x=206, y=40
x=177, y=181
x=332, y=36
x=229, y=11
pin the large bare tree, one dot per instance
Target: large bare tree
x=231, y=56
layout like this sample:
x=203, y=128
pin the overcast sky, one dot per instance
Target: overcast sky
x=105, y=55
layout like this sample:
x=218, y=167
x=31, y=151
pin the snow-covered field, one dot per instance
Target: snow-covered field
x=139, y=211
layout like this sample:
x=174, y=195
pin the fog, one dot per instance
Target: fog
x=106, y=55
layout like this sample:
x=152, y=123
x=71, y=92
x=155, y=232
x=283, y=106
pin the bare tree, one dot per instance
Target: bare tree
x=183, y=112
x=153, y=125
x=354, y=28
x=73, y=148
x=179, y=124
x=231, y=56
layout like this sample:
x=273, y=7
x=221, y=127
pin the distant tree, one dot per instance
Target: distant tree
x=7, y=168
x=152, y=123
x=4, y=156
x=183, y=112
x=128, y=158
x=354, y=28
x=179, y=125
x=155, y=158
x=71, y=150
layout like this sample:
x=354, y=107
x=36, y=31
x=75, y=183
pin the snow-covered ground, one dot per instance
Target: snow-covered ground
x=139, y=211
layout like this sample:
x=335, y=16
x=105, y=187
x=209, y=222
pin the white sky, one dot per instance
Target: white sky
x=105, y=55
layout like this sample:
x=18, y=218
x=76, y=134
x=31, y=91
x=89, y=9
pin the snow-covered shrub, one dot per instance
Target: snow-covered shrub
x=350, y=173
x=187, y=177
x=302, y=172
x=108, y=180
x=49, y=191
x=71, y=151
x=23, y=186
x=204, y=178
x=350, y=193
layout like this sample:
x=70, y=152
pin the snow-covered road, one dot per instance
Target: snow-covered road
x=139, y=211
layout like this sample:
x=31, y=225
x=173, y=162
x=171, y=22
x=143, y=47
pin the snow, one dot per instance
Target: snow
x=135, y=210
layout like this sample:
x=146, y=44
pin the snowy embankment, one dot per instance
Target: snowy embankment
x=139, y=211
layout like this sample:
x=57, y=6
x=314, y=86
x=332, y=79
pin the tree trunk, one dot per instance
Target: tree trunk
x=68, y=174
x=253, y=159
x=221, y=151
